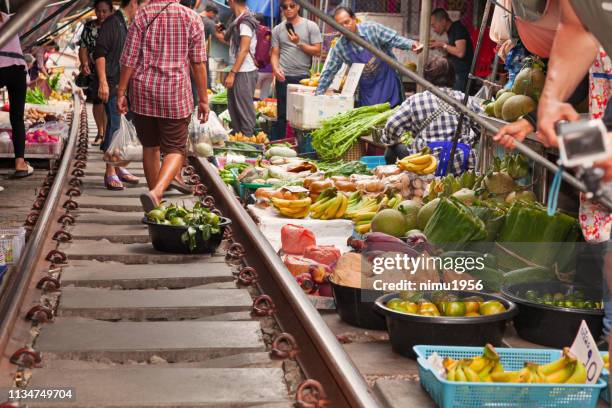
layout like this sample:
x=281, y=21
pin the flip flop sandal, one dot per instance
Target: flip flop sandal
x=24, y=173
x=127, y=177
x=180, y=187
x=98, y=140
x=148, y=202
x=109, y=180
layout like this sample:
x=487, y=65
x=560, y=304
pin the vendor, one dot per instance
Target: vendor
x=429, y=119
x=379, y=83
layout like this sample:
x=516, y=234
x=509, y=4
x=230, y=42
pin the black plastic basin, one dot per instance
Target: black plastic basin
x=408, y=330
x=356, y=306
x=549, y=325
x=167, y=238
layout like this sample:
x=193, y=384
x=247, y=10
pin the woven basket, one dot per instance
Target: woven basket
x=356, y=152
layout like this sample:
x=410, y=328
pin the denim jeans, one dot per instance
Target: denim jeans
x=113, y=120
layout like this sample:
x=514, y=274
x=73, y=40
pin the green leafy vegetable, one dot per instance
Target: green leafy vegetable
x=339, y=133
x=35, y=97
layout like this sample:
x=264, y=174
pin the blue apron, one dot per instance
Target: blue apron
x=379, y=83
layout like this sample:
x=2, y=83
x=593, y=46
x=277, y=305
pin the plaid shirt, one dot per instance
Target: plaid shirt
x=160, y=57
x=412, y=115
x=376, y=34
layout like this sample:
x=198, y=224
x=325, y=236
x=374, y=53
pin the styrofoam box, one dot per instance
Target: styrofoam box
x=305, y=110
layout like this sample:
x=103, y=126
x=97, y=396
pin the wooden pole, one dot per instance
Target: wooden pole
x=424, y=30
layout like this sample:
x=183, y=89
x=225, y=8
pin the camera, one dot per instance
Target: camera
x=583, y=143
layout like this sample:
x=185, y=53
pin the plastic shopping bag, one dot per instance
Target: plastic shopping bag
x=200, y=139
x=125, y=146
x=214, y=129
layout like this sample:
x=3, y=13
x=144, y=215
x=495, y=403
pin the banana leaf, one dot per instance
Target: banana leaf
x=492, y=218
x=529, y=237
x=453, y=225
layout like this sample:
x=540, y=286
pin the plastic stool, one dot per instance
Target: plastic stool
x=444, y=155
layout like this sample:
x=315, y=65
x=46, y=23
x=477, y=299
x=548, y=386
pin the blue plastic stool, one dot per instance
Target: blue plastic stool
x=444, y=155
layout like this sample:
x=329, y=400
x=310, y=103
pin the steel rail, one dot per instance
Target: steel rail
x=23, y=15
x=522, y=148
x=17, y=282
x=322, y=357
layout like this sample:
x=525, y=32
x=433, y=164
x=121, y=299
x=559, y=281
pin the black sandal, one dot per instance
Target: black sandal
x=98, y=140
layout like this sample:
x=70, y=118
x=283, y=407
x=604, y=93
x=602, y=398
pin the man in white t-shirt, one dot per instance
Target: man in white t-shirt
x=242, y=78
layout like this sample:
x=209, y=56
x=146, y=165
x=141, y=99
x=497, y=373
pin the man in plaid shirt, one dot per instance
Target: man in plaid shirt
x=164, y=42
x=379, y=83
x=429, y=119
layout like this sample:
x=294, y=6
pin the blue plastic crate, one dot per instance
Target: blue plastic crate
x=449, y=394
x=373, y=161
x=605, y=376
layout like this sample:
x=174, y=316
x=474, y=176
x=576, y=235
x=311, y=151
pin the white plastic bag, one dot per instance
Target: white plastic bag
x=214, y=129
x=201, y=144
x=125, y=146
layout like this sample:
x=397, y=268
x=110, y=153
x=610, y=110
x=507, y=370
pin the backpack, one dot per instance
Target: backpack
x=263, y=47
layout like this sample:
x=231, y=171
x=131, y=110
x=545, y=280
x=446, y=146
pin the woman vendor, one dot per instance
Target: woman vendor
x=427, y=119
x=379, y=82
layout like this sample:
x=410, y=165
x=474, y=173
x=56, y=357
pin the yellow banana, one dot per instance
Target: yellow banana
x=363, y=229
x=332, y=209
x=432, y=166
x=556, y=365
x=448, y=362
x=301, y=213
x=478, y=364
x=425, y=159
x=279, y=202
x=460, y=374
x=291, y=210
x=470, y=374
x=579, y=376
x=342, y=210
x=562, y=375
x=487, y=370
x=507, y=376
x=452, y=373
x=498, y=368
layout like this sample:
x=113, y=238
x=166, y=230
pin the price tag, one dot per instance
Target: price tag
x=585, y=348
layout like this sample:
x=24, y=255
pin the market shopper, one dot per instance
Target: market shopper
x=209, y=18
x=429, y=119
x=87, y=47
x=13, y=76
x=242, y=78
x=109, y=46
x=459, y=46
x=294, y=42
x=160, y=91
x=379, y=83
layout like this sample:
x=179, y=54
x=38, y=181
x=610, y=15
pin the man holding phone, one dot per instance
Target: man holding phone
x=294, y=42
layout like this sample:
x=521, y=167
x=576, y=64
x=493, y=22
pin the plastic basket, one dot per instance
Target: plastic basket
x=12, y=241
x=355, y=152
x=449, y=394
x=246, y=189
x=304, y=141
x=373, y=161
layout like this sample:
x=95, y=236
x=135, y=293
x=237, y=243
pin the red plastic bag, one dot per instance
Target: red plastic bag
x=295, y=239
x=325, y=254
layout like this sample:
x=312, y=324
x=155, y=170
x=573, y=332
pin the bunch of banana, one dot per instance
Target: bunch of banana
x=606, y=359
x=361, y=210
x=476, y=369
x=393, y=201
x=419, y=163
x=292, y=208
x=565, y=370
x=331, y=204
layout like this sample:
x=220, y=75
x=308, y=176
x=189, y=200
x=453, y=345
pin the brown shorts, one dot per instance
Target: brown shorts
x=170, y=135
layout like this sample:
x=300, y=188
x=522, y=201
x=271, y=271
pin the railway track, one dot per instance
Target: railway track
x=96, y=310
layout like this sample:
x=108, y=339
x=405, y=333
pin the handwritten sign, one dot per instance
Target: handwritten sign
x=585, y=348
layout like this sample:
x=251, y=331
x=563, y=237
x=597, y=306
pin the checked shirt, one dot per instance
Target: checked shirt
x=160, y=56
x=415, y=111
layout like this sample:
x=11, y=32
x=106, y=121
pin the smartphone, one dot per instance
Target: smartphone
x=290, y=28
x=583, y=143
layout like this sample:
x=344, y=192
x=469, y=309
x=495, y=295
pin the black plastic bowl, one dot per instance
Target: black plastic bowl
x=548, y=325
x=408, y=330
x=167, y=238
x=356, y=306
